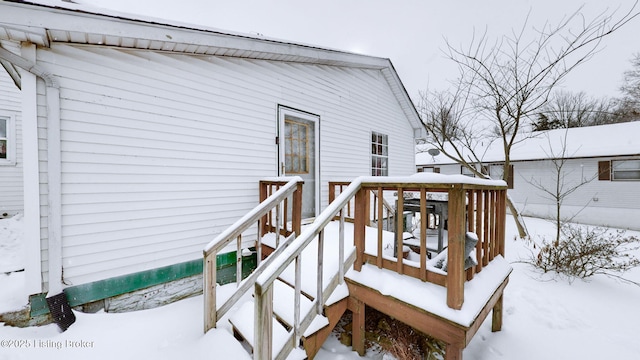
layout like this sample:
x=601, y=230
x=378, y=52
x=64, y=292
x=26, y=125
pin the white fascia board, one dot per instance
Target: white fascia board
x=45, y=18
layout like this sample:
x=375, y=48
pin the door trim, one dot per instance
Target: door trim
x=315, y=119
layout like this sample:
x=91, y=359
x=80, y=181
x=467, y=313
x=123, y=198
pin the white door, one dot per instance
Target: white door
x=298, y=154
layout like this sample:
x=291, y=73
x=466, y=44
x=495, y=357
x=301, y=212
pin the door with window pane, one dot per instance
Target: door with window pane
x=299, y=151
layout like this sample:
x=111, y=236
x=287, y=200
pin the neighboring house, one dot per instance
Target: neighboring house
x=147, y=139
x=606, y=157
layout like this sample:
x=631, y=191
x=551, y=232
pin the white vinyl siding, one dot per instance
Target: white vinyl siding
x=162, y=152
x=11, y=199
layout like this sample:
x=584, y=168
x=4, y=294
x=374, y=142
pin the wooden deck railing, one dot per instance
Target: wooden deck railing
x=477, y=206
x=472, y=207
x=287, y=221
x=384, y=214
x=282, y=195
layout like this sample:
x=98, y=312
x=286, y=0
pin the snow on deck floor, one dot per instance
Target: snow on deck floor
x=428, y=296
x=432, y=297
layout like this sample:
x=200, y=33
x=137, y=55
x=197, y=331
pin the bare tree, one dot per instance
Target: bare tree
x=631, y=85
x=560, y=187
x=578, y=251
x=567, y=109
x=505, y=83
x=628, y=107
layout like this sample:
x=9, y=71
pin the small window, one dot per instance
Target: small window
x=429, y=169
x=379, y=154
x=7, y=141
x=466, y=171
x=625, y=169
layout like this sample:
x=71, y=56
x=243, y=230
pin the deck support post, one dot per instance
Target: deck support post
x=453, y=352
x=455, y=250
x=296, y=217
x=358, y=332
x=360, y=222
x=263, y=317
x=209, y=292
x=496, y=316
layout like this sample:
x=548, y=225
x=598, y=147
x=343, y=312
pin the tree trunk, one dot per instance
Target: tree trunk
x=522, y=230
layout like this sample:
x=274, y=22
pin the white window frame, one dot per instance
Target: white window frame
x=615, y=171
x=10, y=140
x=466, y=171
x=383, y=169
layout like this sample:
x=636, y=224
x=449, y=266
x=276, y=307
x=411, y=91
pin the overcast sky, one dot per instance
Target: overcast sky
x=409, y=32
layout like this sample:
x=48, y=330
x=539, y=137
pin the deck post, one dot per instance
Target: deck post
x=453, y=352
x=357, y=327
x=399, y=231
x=455, y=251
x=361, y=217
x=263, y=221
x=496, y=316
x=502, y=216
x=296, y=217
x=263, y=330
x=210, y=310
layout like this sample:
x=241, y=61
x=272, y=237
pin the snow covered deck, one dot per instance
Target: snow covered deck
x=431, y=297
x=447, y=302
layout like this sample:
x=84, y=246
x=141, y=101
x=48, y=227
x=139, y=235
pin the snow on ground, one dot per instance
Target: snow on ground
x=544, y=318
x=12, y=293
x=11, y=234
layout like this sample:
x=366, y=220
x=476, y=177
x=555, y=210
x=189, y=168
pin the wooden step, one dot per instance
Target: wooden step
x=313, y=341
x=242, y=322
x=284, y=301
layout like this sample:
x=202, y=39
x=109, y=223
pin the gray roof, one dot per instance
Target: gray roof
x=611, y=140
x=43, y=23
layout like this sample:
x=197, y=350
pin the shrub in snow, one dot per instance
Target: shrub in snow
x=581, y=252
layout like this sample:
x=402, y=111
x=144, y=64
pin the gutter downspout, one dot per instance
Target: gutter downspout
x=53, y=166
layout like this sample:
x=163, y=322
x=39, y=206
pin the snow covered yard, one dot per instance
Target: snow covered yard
x=544, y=318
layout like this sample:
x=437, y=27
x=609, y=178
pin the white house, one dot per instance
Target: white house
x=606, y=158
x=136, y=140
x=10, y=147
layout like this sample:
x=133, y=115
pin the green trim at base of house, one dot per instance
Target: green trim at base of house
x=102, y=289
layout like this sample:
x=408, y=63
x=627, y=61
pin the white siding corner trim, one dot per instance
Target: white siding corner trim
x=31, y=177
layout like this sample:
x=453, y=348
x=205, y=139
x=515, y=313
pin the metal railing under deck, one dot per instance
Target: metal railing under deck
x=267, y=217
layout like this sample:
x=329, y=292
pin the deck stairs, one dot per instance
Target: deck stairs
x=290, y=304
x=315, y=326
x=283, y=313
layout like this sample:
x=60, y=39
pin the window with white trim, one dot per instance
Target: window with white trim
x=7, y=141
x=625, y=169
x=379, y=154
x=466, y=171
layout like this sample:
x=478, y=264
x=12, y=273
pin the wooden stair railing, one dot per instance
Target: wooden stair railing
x=484, y=200
x=265, y=282
x=276, y=199
x=385, y=213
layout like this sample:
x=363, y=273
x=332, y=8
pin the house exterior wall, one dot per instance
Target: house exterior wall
x=161, y=152
x=11, y=188
x=597, y=202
